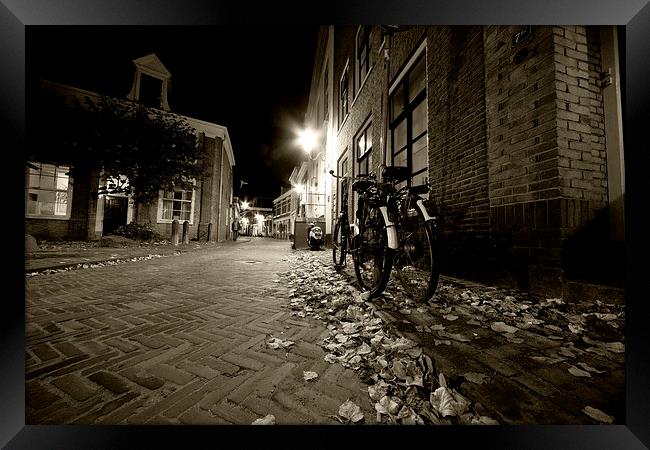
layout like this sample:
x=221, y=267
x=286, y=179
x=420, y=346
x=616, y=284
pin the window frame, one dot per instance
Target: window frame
x=359, y=79
x=161, y=203
x=68, y=191
x=345, y=75
x=406, y=114
x=364, y=131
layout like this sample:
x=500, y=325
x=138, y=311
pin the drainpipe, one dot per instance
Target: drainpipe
x=220, y=193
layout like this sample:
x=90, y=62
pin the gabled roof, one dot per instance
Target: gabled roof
x=152, y=65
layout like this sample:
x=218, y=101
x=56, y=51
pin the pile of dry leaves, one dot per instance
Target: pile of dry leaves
x=403, y=384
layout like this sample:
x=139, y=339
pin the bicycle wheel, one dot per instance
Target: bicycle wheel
x=416, y=259
x=339, y=244
x=372, y=257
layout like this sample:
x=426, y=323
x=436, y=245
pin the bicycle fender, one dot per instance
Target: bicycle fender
x=424, y=211
x=390, y=228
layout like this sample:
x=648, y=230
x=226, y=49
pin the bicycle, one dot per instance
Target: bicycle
x=395, y=231
x=342, y=237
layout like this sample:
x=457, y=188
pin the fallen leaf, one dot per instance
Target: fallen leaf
x=330, y=358
x=378, y=390
x=588, y=368
x=615, y=347
x=386, y=405
x=475, y=377
x=566, y=352
x=546, y=359
x=597, y=414
x=573, y=370
x=266, y=420
x=575, y=329
x=450, y=317
x=514, y=340
x=364, y=349
x=348, y=410
x=276, y=343
x=442, y=402
x=442, y=342
x=409, y=417
x=483, y=420
x=502, y=327
x=309, y=375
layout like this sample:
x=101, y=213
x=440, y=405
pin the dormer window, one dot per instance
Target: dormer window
x=151, y=82
x=150, y=91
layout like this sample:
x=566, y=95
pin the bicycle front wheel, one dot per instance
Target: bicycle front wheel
x=372, y=256
x=339, y=244
x=417, y=264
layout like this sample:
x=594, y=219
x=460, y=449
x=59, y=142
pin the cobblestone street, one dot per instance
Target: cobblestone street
x=178, y=340
x=185, y=339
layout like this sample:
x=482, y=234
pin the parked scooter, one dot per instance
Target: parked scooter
x=314, y=236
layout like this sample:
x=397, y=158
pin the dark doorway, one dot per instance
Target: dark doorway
x=114, y=213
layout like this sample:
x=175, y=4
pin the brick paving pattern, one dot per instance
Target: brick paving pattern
x=178, y=340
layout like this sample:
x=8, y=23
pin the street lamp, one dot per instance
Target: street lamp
x=244, y=205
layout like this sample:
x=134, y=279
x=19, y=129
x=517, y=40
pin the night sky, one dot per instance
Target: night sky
x=252, y=79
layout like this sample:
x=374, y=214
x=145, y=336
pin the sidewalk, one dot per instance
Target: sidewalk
x=77, y=255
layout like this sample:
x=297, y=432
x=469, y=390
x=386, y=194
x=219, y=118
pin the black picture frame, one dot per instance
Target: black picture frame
x=16, y=15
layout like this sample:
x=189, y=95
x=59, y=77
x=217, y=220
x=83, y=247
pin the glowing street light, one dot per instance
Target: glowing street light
x=307, y=139
x=244, y=205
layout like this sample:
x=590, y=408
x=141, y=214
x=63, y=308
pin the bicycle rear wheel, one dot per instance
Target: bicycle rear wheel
x=372, y=256
x=417, y=263
x=339, y=244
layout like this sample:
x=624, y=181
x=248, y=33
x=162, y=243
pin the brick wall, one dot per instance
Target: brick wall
x=458, y=144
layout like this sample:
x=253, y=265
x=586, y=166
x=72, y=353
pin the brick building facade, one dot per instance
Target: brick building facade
x=517, y=129
x=76, y=211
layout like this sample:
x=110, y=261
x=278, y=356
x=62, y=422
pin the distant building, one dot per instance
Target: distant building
x=284, y=214
x=60, y=207
x=517, y=129
x=257, y=217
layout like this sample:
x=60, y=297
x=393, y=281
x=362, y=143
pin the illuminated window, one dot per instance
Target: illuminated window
x=343, y=96
x=363, y=149
x=408, y=122
x=48, y=191
x=177, y=204
x=362, y=55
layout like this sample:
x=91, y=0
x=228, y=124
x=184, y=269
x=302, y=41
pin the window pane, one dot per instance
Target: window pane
x=62, y=182
x=419, y=154
x=47, y=182
x=33, y=180
x=400, y=159
x=420, y=119
x=399, y=135
x=167, y=209
x=369, y=138
x=48, y=170
x=178, y=195
x=417, y=79
x=419, y=179
x=187, y=195
x=361, y=145
x=61, y=205
x=396, y=102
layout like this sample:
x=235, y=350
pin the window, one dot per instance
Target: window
x=150, y=91
x=326, y=96
x=48, y=191
x=343, y=171
x=177, y=204
x=362, y=55
x=363, y=149
x=408, y=122
x=343, y=95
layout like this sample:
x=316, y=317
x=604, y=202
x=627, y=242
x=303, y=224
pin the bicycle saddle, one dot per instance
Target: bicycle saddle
x=395, y=173
x=361, y=186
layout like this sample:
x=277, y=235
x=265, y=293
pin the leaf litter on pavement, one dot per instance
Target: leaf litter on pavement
x=403, y=384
